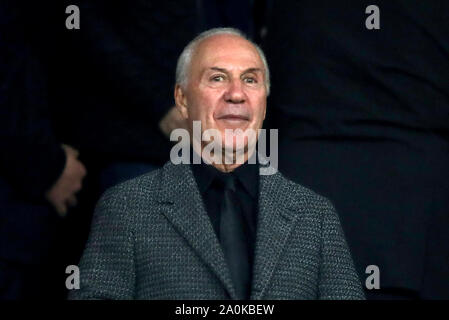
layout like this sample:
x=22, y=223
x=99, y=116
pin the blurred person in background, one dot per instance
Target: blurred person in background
x=363, y=118
x=96, y=99
x=39, y=174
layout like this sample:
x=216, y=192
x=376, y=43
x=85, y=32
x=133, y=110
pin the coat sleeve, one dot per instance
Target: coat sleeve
x=107, y=265
x=338, y=279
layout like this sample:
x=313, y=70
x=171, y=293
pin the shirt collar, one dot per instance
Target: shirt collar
x=247, y=174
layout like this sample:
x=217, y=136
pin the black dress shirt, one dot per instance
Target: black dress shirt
x=247, y=190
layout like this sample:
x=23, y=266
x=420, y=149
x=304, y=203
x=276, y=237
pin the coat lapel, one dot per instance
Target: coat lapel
x=275, y=221
x=185, y=210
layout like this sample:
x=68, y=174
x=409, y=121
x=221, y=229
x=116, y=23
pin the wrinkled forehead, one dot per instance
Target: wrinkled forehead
x=220, y=50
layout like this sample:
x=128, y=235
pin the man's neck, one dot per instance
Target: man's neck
x=230, y=163
x=226, y=165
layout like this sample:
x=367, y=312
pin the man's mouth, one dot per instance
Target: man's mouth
x=233, y=117
x=233, y=121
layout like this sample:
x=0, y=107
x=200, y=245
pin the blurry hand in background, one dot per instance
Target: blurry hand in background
x=171, y=121
x=62, y=194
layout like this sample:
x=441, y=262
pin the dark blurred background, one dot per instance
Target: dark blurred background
x=363, y=119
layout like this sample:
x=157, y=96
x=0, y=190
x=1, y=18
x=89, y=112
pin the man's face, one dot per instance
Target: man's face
x=226, y=86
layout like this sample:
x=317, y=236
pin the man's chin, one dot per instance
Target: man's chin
x=238, y=144
x=232, y=124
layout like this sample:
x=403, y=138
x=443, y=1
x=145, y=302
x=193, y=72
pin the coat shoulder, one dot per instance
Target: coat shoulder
x=143, y=188
x=300, y=193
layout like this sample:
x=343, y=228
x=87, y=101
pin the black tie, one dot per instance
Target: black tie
x=233, y=238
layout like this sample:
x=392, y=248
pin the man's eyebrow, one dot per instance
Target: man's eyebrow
x=219, y=69
x=252, y=70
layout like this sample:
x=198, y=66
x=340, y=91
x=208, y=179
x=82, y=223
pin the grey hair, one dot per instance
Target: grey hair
x=185, y=59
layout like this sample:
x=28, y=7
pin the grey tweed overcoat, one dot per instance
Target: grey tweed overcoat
x=151, y=238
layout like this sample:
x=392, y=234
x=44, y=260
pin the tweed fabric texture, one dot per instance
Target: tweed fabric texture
x=151, y=238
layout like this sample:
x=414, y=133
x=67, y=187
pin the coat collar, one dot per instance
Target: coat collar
x=186, y=211
x=276, y=218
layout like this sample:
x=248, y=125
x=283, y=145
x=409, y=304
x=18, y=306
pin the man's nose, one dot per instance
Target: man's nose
x=235, y=93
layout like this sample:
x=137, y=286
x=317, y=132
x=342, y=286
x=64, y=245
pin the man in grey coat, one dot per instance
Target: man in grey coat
x=226, y=228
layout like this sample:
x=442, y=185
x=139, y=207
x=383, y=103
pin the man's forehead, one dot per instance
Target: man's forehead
x=231, y=48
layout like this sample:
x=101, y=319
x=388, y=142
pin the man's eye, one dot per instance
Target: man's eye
x=250, y=80
x=217, y=78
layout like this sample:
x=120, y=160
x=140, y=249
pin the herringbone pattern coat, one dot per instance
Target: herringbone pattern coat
x=151, y=238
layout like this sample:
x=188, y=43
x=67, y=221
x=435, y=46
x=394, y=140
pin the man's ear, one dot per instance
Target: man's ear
x=181, y=101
